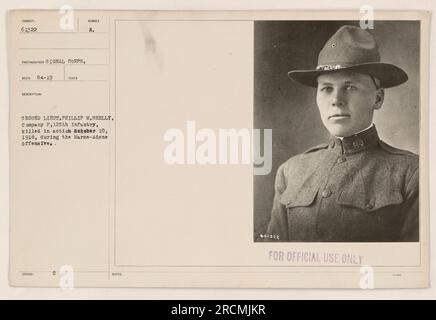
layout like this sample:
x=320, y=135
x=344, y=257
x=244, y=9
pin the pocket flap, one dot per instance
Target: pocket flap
x=294, y=197
x=371, y=202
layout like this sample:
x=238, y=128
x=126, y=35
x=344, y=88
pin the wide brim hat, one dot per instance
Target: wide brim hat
x=351, y=49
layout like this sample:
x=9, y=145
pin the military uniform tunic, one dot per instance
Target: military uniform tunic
x=354, y=189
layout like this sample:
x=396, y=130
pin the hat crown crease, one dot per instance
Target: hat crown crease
x=348, y=46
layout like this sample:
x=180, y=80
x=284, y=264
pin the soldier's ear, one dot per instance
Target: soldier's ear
x=379, y=98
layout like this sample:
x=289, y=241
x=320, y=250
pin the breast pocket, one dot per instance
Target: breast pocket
x=294, y=197
x=370, y=198
x=300, y=203
x=369, y=215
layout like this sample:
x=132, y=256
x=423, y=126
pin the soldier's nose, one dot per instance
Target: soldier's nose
x=338, y=100
x=337, y=103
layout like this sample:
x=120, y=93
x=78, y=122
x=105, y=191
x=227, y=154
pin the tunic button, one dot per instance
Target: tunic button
x=326, y=193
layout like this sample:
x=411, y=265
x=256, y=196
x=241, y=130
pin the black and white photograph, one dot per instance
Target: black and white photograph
x=342, y=100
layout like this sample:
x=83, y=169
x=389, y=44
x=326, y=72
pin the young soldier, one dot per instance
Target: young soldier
x=356, y=188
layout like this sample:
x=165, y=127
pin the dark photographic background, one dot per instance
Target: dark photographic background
x=289, y=108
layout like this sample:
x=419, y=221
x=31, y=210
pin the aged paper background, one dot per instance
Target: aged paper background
x=101, y=174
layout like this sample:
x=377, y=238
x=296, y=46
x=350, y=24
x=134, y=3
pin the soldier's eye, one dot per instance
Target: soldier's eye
x=327, y=89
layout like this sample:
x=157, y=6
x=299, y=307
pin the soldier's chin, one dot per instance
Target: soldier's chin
x=340, y=130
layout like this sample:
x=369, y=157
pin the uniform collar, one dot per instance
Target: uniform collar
x=356, y=143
